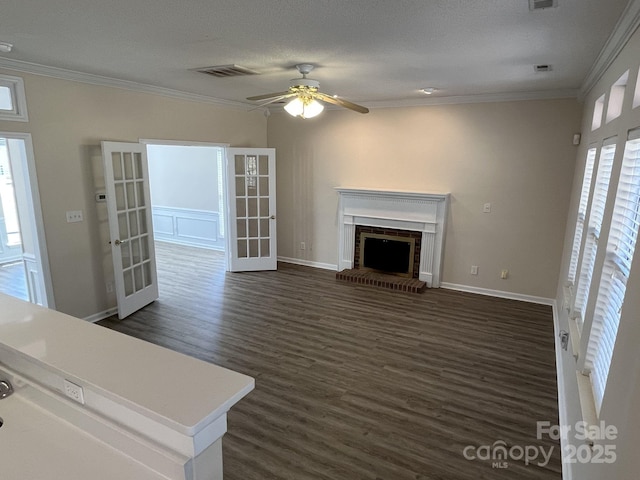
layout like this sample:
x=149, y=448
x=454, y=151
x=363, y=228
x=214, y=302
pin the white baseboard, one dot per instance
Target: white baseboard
x=96, y=317
x=308, y=263
x=498, y=293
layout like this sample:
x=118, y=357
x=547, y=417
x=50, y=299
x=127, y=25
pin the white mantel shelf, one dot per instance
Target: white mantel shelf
x=404, y=210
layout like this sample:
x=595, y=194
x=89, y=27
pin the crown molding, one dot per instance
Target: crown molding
x=478, y=98
x=75, y=76
x=459, y=99
x=625, y=27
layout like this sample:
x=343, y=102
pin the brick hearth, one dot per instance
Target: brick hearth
x=393, y=282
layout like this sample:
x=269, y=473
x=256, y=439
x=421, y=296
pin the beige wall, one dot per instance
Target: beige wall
x=67, y=121
x=622, y=395
x=516, y=155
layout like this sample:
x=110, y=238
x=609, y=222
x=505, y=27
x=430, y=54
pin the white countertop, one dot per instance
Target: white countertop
x=180, y=392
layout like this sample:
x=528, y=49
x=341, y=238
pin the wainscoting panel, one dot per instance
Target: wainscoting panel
x=187, y=227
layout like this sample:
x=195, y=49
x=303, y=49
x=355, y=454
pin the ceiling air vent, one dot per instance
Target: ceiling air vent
x=222, y=71
x=542, y=4
x=543, y=68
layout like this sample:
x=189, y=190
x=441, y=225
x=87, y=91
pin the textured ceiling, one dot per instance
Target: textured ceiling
x=369, y=51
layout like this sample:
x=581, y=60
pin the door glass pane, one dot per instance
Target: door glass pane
x=137, y=276
x=264, y=247
x=131, y=195
x=141, y=202
x=146, y=270
x=264, y=227
x=240, y=191
x=242, y=228
x=142, y=224
x=264, y=207
x=252, y=176
x=138, y=163
x=242, y=249
x=264, y=186
x=135, y=250
x=128, y=165
x=239, y=160
x=123, y=226
x=144, y=247
x=264, y=164
x=253, y=227
x=126, y=254
x=121, y=203
x=241, y=207
x=128, y=282
x=133, y=223
x=253, y=207
x=117, y=165
x=253, y=248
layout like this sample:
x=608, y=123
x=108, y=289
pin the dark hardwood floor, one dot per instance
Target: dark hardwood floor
x=355, y=382
x=12, y=280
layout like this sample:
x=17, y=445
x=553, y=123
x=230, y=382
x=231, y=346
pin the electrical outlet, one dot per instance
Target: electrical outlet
x=73, y=391
x=74, y=216
x=474, y=269
x=504, y=274
x=110, y=287
x=486, y=208
x=303, y=246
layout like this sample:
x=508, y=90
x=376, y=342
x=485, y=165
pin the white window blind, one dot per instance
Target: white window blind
x=582, y=214
x=620, y=248
x=598, y=204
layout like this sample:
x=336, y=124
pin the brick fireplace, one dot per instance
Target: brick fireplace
x=421, y=216
x=412, y=239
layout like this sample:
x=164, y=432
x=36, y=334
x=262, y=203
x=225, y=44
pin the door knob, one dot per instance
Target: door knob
x=118, y=242
x=272, y=217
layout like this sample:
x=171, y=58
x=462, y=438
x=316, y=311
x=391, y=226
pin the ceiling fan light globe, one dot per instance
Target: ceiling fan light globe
x=295, y=107
x=312, y=109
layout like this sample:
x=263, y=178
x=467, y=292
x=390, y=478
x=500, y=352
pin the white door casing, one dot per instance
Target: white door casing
x=131, y=233
x=251, y=201
x=34, y=243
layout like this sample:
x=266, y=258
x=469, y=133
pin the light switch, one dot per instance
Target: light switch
x=74, y=216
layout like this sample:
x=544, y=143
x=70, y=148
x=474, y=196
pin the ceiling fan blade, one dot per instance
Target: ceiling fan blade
x=342, y=103
x=268, y=95
x=273, y=100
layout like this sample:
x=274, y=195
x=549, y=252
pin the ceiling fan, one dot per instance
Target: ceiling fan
x=305, y=95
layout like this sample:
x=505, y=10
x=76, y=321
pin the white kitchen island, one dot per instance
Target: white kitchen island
x=145, y=412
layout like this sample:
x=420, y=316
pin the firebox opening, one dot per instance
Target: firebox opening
x=386, y=253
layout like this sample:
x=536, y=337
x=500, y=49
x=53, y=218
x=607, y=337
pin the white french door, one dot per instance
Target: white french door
x=129, y=209
x=251, y=194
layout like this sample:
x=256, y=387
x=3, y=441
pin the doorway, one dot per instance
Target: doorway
x=187, y=186
x=188, y=195
x=24, y=266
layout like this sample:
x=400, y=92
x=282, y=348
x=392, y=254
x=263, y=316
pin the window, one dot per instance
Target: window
x=616, y=97
x=13, y=105
x=598, y=110
x=636, y=95
x=613, y=283
x=582, y=214
x=6, y=99
x=605, y=164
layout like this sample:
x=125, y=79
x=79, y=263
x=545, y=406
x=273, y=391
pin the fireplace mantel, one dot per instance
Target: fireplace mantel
x=416, y=211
